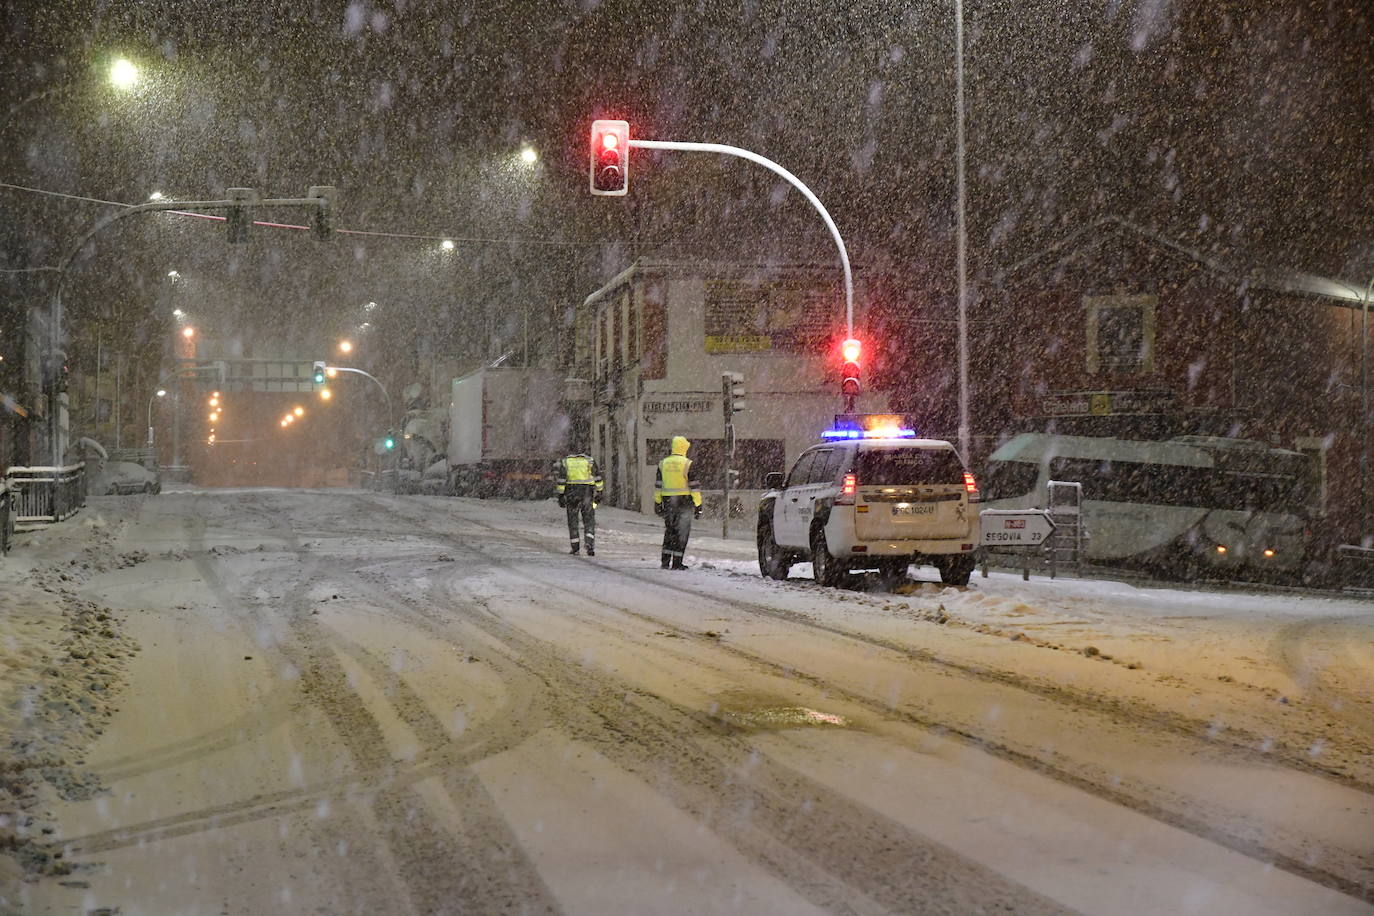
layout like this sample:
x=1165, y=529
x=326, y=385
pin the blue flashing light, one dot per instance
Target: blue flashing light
x=879, y=433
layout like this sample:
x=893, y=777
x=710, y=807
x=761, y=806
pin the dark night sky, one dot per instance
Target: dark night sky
x=1241, y=128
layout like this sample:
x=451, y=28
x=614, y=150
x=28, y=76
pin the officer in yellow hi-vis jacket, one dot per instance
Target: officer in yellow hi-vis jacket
x=579, y=490
x=678, y=500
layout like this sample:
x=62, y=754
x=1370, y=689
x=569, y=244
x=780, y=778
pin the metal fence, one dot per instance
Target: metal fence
x=46, y=494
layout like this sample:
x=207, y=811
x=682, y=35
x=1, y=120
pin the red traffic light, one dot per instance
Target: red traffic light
x=610, y=158
x=849, y=372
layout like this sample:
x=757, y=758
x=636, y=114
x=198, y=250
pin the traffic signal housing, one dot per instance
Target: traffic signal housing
x=389, y=440
x=322, y=220
x=732, y=393
x=610, y=158
x=240, y=216
x=850, y=351
x=318, y=373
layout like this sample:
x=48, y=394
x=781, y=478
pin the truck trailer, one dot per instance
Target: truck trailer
x=507, y=430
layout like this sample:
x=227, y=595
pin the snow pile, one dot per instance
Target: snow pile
x=63, y=661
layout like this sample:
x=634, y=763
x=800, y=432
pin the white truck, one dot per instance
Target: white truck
x=507, y=430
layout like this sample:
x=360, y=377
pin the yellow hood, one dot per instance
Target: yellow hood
x=680, y=445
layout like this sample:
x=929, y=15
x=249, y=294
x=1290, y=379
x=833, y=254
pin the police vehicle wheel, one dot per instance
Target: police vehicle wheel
x=773, y=561
x=956, y=570
x=826, y=570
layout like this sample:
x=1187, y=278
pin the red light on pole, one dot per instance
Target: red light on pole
x=610, y=158
x=850, y=350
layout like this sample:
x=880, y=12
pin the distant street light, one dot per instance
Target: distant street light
x=157, y=195
x=178, y=313
x=446, y=244
x=529, y=156
x=171, y=273
x=298, y=411
x=325, y=394
x=188, y=332
x=162, y=392
x=283, y=424
x=123, y=74
x=345, y=346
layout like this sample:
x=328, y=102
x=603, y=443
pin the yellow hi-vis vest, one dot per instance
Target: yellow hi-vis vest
x=578, y=470
x=674, y=479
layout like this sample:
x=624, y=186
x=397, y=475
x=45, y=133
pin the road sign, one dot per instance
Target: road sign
x=1015, y=527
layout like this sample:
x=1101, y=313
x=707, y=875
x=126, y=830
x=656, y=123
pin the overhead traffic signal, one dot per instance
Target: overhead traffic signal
x=318, y=374
x=240, y=216
x=850, y=350
x=389, y=440
x=322, y=220
x=610, y=158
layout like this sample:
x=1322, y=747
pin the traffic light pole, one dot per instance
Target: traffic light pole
x=793, y=180
x=323, y=202
x=390, y=412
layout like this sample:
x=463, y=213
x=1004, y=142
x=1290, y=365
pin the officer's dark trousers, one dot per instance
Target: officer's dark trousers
x=578, y=500
x=677, y=528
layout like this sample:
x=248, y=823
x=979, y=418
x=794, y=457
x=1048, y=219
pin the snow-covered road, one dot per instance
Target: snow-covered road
x=277, y=701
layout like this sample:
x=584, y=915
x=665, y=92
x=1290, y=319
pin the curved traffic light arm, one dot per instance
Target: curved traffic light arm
x=793, y=180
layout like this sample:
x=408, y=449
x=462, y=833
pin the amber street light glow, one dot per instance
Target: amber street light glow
x=298, y=411
x=345, y=346
x=325, y=394
x=188, y=333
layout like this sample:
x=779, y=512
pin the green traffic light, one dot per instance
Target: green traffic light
x=389, y=442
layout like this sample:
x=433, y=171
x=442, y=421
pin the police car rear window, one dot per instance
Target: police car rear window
x=906, y=466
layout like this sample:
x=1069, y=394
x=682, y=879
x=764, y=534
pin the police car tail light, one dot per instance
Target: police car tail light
x=847, y=490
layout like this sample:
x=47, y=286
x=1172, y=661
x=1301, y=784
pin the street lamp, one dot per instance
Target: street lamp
x=446, y=244
x=345, y=346
x=529, y=156
x=157, y=195
x=298, y=411
x=325, y=394
x=160, y=393
x=188, y=332
x=123, y=74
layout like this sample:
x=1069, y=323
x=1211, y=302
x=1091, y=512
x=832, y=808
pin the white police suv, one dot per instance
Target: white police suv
x=871, y=496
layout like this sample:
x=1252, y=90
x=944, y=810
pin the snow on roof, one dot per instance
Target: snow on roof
x=1040, y=447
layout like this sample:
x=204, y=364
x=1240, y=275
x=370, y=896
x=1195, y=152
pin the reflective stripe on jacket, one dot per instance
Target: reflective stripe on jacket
x=675, y=474
x=579, y=470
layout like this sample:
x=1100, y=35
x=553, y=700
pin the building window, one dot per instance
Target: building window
x=1315, y=448
x=1121, y=334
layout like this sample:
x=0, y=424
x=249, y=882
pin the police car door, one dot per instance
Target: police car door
x=788, y=529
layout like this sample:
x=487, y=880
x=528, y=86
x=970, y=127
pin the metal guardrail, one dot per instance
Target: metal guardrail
x=47, y=494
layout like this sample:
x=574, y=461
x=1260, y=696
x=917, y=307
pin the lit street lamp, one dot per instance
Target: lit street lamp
x=345, y=346
x=123, y=74
x=446, y=244
x=529, y=156
x=188, y=332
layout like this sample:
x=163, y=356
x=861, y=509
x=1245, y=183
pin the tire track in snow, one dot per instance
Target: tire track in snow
x=1179, y=815
x=696, y=763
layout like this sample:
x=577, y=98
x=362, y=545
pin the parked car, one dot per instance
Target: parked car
x=117, y=478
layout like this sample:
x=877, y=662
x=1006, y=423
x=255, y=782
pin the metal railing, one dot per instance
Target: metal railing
x=46, y=494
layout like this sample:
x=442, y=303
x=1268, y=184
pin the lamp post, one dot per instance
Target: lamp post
x=961, y=256
x=1364, y=407
x=160, y=393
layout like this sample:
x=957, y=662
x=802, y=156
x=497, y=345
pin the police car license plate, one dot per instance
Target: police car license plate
x=914, y=509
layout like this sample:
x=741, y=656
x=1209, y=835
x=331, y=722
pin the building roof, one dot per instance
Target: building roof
x=1340, y=292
